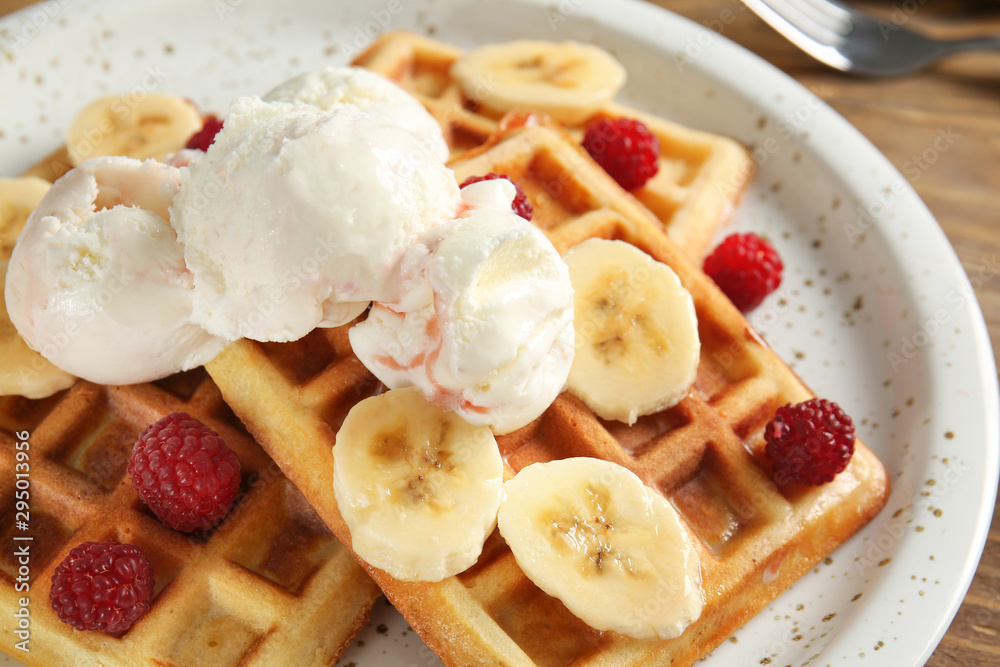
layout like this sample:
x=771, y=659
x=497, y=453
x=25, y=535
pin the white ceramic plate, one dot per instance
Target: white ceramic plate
x=875, y=311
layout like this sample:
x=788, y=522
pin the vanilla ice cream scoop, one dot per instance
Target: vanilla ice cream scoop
x=97, y=282
x=333, y=88
x=485, y=323
x=297, y=218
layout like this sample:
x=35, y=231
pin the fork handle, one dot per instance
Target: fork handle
x=989, y=43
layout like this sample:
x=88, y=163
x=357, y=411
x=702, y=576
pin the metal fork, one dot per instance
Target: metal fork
x=850, y=41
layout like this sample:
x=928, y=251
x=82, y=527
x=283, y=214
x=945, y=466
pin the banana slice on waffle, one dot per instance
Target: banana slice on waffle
x=18, y=198
x=636, y=331
x=154, y=125
x=418, y=486
x=22, y=370
x=569, y=81
x=590, y=533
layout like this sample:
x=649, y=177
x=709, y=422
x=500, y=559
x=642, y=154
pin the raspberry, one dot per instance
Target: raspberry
x=746, y=268
x=809, y=442
x=521, y=205
x=626, y=149
x=185, y=472
x=204, y=137
x=102, y=586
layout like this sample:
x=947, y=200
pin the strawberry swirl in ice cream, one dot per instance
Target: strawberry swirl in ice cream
x=485, y=324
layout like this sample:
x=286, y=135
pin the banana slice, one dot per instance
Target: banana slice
x=150, y=126
x=22, y=370
x=569, y=81
x=637, y=346
x=417, y=486
x=590, y=533
x=18, y=198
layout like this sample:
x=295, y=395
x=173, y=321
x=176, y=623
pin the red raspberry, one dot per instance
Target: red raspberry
x=747, y=268
x=102, y=586
x=809, y=442
x=521, y=205
x=185, y=472
x=204, y=137
x=626, y=149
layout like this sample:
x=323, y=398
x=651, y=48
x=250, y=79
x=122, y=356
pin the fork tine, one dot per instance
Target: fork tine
x=831, y=14
x=851, y=40
x=796, y=15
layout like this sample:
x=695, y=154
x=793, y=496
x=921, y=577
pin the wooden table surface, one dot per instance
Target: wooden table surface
x=902, y=118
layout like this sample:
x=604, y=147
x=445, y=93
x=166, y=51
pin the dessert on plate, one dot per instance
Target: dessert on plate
x=501, y=381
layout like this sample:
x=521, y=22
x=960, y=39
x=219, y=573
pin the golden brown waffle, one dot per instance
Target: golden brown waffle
x=705, y=454
x=270, y=585
x=702, y=176
x=52, y=167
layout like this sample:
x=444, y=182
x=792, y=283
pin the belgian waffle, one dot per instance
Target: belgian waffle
x=269, y=585
x=702, y=176
x=705, y=455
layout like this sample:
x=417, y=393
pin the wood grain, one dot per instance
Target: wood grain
x=902, y=118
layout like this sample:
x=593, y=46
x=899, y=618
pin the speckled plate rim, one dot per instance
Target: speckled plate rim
x=841, y=148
